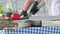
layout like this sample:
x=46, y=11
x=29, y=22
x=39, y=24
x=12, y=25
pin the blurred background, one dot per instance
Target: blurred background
x=19, y=5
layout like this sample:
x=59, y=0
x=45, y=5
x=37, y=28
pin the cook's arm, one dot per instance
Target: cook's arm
x=27, y=5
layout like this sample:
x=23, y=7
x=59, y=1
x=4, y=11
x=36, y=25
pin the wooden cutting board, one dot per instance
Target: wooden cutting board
x=13, y=25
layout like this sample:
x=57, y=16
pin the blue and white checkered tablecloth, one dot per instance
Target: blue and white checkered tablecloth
x=34, y=30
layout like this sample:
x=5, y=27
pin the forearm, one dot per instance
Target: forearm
x=27, y=5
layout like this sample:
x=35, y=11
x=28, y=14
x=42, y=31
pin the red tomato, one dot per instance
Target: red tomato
x=15, y=17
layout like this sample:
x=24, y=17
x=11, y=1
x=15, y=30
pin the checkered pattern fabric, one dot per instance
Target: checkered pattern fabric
x=35, y=30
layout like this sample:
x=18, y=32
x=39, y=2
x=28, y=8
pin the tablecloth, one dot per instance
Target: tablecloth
x=34, y=30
